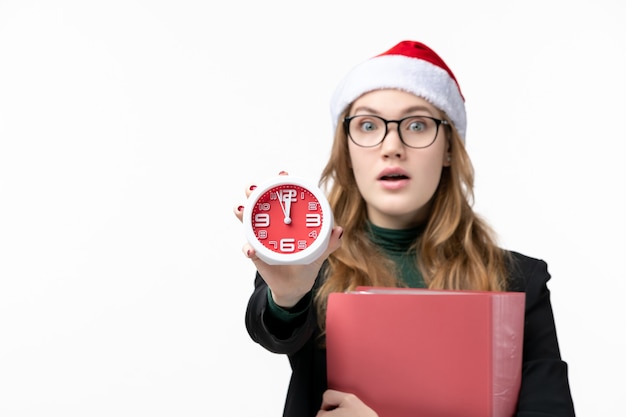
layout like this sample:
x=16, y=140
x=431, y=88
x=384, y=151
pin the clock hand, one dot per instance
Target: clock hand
x=287, y=209
x=280, y=201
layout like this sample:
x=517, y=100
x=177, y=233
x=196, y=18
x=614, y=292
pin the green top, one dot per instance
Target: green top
x=396, y=244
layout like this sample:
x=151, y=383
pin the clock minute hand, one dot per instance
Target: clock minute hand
x=287, y=209
x=280, y=201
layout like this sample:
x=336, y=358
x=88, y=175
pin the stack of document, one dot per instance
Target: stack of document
x=419, y=352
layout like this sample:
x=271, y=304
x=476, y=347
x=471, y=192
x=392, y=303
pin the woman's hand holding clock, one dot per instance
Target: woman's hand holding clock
x=290, y=232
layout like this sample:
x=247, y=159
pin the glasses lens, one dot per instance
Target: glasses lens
x=367, y=130
x=418, y=131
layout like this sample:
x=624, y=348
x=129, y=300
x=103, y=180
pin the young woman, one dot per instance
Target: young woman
x=400, y=185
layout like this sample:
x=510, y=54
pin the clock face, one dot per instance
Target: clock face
x=288, y=221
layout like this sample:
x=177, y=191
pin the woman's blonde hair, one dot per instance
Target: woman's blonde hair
x=457, y=249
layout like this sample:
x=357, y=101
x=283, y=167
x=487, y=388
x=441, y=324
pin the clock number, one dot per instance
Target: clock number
x=284, y=195
x=290, y=194
x=313, y=220
x=287, y=245
x=261, y=220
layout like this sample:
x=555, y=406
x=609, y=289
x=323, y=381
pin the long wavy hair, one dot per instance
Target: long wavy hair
x=457, y=249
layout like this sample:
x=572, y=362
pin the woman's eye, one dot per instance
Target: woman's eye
x=416, y=126
x=368, y=126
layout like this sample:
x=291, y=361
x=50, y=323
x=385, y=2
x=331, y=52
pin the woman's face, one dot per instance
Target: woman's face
x=397, y=182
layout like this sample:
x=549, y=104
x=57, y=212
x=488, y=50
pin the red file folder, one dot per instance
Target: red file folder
x=433, y=353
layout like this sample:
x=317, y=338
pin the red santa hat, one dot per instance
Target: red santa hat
x=409, y=66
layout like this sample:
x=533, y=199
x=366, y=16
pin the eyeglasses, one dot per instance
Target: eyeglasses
x=416, y=132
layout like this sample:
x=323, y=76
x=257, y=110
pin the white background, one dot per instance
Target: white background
x=130, y=129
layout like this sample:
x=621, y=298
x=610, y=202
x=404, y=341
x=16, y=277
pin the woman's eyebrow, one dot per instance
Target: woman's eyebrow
x=369, y=110
x=419, y=108
x=365, y=109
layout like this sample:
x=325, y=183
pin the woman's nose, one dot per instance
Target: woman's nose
x=392, y=145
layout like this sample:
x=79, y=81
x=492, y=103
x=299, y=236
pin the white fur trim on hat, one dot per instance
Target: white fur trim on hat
x=413, y=75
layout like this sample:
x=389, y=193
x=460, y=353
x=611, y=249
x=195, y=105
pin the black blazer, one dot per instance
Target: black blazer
x=545, y=387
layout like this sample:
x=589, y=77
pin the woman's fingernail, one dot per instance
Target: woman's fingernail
x=282, y=173
x=252, y=187
x=340, y=235
x=240, y=208
x=248, y=252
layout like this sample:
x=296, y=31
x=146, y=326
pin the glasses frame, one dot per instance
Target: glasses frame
x=347, y=120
